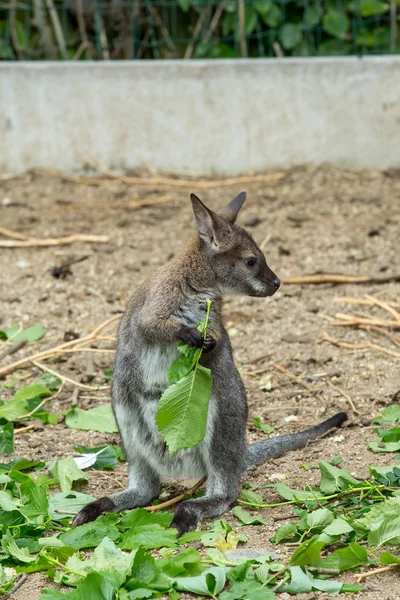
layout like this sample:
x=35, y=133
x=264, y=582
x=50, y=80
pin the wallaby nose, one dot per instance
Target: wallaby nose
x=276, y=283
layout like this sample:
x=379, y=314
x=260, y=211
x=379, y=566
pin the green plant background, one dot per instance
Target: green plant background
x=141, y=29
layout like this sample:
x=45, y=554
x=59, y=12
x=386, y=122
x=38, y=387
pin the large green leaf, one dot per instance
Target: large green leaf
x=100, y=419
x=149, y=536
x=94, y=587
x=67, y=504
x=333, y=479
x=67, y=471
x=107, y=559
x=182, y=411
x=210, y=583
x=90, y=535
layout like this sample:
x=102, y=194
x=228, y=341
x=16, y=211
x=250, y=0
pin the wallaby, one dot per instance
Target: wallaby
x=219, y=259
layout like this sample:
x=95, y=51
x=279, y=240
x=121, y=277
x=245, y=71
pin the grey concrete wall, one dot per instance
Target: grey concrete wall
x=201, y=117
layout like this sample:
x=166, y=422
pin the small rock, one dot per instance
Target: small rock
x=290, y=418
x=23, y=264
x=338, y=439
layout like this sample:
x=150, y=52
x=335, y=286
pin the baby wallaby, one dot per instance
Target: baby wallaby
x=219, y=259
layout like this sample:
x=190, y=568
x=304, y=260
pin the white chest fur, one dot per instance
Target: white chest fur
x=155, y=362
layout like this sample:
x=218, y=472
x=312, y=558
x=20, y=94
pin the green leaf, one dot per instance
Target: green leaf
x=247, y=518
x=387, y=558
x=262, y=6
x=370, y=8
x=336, y=23
x=6, y=503
x=10, y=547
x=182, y=411
x=388, y=415
x=67, y=471
x=312, y=15
x=273, y=17
x=284, y=531
x=253, y=498
x=107, y=559
x=379, y=446
x=140, y=516
x=32, y=391
x=89, y=535
x=210, y=583
x=32, y=334
x=291, y=34
x=308, y=553
x=7, y=438
x=346, y=558
x=300, y=582
x=100, y=419
x=258, y=424
x=66, y=504
x=320, y=518
x=289, y=494
x=351, y=588
x=94, y=587
x=338, y=527
x=183, y=364
x=248, y=590
x=148, y=536
x=222, y=536
x=187, y=562
x=333, y=479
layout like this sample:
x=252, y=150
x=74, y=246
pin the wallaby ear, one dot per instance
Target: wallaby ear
x=230, y=211
x=209, y=227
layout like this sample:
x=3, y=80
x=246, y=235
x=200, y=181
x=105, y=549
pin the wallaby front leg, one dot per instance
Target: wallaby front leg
x=143, y=487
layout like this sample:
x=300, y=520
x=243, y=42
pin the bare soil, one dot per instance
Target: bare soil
x=312, y=220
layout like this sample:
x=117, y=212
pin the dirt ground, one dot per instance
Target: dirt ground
x=311, y=220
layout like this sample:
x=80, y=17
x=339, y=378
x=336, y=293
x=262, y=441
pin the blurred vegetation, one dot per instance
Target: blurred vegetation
x=141, y=29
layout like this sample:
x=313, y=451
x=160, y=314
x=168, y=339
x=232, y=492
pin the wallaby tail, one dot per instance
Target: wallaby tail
x=262, y=451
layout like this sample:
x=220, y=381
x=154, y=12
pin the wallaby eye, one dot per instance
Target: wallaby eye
x=250, y=262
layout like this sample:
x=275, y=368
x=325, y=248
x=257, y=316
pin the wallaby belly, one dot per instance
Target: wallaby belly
x=137, y=418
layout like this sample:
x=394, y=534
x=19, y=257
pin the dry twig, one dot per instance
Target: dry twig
x=64, y=379
x=44, y=354
x=177, y=499
x=345, y=395
x=46, y=242
x=376, y=572
x=333, y=278
x=164, y=181
x=367, y=345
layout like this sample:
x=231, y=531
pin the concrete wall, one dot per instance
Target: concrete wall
x=201, y=117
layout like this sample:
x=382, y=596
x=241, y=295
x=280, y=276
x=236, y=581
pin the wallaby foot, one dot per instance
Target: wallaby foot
x=189, y=513
x=93, y=510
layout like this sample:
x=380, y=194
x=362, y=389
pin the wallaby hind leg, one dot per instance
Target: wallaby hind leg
x=144, y=486
x=220, y=496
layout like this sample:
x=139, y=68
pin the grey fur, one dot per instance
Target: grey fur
x=163, y=311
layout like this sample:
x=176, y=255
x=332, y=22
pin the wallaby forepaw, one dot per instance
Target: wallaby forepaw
x=209, y=343
x=192, y=337
x=185, y=519
x=93, y=510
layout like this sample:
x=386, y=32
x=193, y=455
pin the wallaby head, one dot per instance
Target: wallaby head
x=238, y=263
